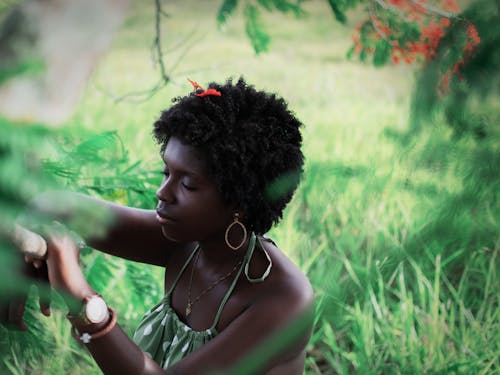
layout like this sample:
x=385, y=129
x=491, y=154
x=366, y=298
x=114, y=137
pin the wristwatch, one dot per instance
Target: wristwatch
x=94, y=310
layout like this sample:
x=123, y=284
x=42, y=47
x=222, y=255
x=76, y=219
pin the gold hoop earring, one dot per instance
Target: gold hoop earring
x=236, y=222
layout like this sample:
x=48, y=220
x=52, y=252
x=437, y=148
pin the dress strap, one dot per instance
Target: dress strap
x=244, y=266
x=246, y=259
x=183, y=269
x=268, y=269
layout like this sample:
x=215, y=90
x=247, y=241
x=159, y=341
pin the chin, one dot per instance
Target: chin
x=172, y=236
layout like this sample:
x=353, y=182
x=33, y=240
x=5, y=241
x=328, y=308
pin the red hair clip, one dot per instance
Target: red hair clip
x=201, y=92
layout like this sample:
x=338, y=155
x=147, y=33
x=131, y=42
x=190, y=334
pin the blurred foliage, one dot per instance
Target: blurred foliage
x=16, y=44
x=457, y=52
x=254, y=27
x=466, y=100
x=99, y=164
x=404, y=263
x=21, y=178
x=34, y=159
x=8, y=4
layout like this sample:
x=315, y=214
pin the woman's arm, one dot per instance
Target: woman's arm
x=282, y=329
x=122, y=231
x=114, y=352
x=281, y=320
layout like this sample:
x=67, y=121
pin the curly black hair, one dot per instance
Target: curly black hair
x=251, y=142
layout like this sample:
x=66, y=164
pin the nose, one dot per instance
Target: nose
x=165, y=192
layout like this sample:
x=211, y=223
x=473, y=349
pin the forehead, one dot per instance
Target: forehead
x=184, y=157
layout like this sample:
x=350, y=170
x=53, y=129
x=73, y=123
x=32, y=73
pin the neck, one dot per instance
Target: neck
x=217, y=251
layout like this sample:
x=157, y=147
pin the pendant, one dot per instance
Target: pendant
x=188, y=310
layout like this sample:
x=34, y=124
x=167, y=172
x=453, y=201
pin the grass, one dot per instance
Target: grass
x=399, y=238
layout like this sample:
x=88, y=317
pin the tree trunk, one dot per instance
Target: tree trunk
x=48, y=49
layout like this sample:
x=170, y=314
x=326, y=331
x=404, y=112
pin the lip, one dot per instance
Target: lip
x=164, y=219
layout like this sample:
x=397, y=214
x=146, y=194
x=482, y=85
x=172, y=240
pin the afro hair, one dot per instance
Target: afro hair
x=251, y=142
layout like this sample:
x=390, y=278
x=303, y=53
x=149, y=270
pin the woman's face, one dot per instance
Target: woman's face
x=190, y=208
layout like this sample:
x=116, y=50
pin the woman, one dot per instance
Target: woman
x=232, y=161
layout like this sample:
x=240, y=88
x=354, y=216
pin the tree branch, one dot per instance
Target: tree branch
x=157, y=42
x=157, y=56
x=373, y=18
x=426, y=7
x=432, y=9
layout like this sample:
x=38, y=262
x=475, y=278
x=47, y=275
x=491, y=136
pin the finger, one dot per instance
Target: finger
x=44, y=296
x=35, y=262
x=44, y=303
x=16, y=313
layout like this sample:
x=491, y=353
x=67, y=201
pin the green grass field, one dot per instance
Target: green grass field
x=398, y=235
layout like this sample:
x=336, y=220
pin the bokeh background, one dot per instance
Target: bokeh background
x=396, y=221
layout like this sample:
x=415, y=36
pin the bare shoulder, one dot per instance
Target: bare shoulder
x=286, y=301
x=287, y=282
x=270, y=320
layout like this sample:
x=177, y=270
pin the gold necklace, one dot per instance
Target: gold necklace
x=190, y=303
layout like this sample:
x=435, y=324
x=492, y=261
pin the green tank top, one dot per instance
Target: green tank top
x=165, y=338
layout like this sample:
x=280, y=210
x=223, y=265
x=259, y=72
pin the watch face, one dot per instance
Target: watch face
x=96, y=309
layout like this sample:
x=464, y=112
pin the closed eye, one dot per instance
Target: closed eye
x=188, y=187
x=185, y=181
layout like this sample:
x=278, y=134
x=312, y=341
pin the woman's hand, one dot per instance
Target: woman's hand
x=61, y=269
x=64, y=272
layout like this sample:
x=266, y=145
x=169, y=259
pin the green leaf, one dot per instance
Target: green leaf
x=226, y=9
x=283, y=6
x=266, y=4
x=364, y=32
x=92, y=147
x=350, y=53
x=381, y=54
x=254, y=29
x=363, y=54
x=337, y=11
x=282, y=186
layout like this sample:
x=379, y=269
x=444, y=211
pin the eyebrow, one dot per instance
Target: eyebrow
x=183, y=170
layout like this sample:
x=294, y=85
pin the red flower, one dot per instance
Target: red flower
x=445, y=83
x=473, y=34
x=444, y=21
x=397, y=3
x=450, y=6
x=432, y=31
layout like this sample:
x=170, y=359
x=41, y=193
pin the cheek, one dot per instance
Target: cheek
x=209, y=218
x=202, y=217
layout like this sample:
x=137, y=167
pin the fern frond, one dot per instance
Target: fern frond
x=255, y=30
x=226, y=9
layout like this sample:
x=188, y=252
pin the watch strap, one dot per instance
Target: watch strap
x=86, y=337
